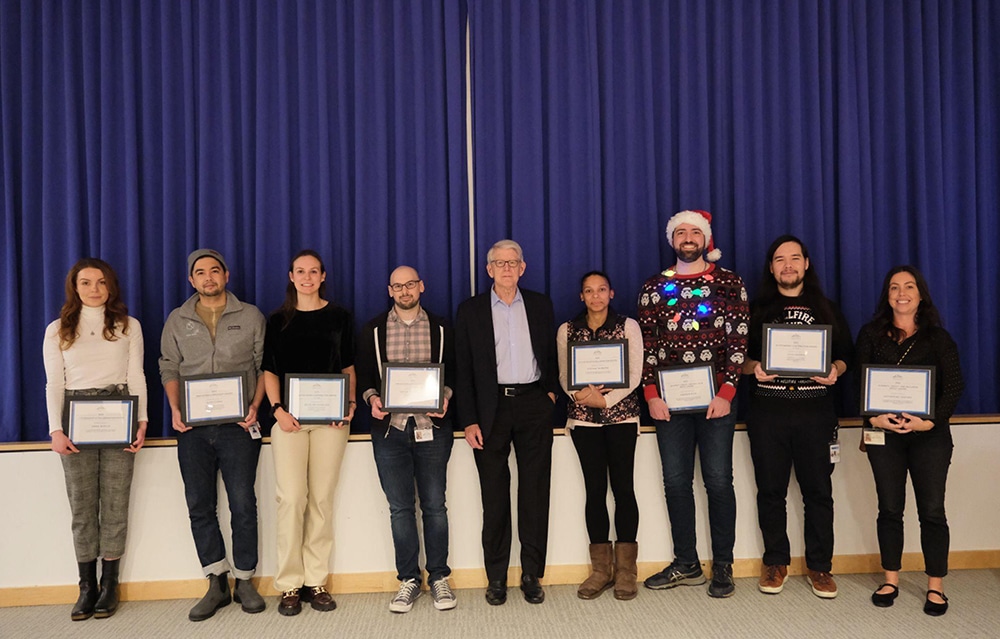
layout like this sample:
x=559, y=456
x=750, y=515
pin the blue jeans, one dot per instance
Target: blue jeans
x=713, y=438
x=202, y=452
x=401, y=461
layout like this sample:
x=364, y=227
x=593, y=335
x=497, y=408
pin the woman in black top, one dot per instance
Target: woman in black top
x=906, y=331
x=307, y=334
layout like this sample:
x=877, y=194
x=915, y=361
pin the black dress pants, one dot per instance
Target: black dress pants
x=786, y=434
x=925, y=457
x=526, y=422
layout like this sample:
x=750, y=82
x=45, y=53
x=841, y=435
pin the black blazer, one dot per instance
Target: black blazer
x=476, y=357
x=370, y=373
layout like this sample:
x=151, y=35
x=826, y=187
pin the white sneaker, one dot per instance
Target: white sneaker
x=444, y=598
x=408, y=592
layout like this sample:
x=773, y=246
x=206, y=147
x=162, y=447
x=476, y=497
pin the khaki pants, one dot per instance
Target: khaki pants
x=306, y=467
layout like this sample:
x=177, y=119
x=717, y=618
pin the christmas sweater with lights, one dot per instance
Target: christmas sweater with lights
x=700, y=318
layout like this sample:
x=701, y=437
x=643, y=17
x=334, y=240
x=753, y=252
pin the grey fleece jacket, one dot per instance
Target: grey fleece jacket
x=186, y=346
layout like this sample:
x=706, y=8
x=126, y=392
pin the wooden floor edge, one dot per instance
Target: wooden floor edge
x=471, y=578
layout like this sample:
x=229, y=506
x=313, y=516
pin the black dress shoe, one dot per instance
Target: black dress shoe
x=496, y=593
x=885, y=600
x=532, y=590
x=933, y=608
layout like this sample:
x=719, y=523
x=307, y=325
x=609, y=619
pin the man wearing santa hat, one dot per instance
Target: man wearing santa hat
x=695, y=313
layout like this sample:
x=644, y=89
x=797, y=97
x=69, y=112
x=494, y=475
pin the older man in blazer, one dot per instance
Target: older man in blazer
x=505, y=389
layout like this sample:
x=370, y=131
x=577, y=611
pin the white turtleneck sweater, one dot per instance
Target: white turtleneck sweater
x=92, y=362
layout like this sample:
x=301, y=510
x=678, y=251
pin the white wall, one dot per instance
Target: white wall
x=36, y=546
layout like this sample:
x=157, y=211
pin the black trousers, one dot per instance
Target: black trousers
x=608, y=451
x=526, y=422
x=926, y=457
x=786, y=434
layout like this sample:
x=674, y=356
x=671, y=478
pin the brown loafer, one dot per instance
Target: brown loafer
x=318, y=598
x=291, y=604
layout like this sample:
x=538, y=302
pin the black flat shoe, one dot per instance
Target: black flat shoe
x=935, y=609
x=886, y=599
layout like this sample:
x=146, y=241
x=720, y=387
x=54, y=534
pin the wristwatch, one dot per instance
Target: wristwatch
x=275, y=406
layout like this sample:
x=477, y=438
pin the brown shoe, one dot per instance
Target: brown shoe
x=625, y=570
x=772, y=578
x=601, y=572
x=290, y=604
x=823, y=584
x=318, y=598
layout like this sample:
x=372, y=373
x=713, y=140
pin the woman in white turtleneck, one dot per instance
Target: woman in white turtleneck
x=95, y=348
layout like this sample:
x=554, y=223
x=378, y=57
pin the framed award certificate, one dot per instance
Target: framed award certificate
x=897, y=389
x=317, y=399
x=213, y=399
x=412, y=388
x=797, y=350
x=101, y=421
x=601, y=362
x=687, y=389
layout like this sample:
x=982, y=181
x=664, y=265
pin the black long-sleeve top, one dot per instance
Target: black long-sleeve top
x=931, y=346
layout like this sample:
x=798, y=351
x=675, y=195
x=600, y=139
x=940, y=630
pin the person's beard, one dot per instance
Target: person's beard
x=686, y=253
x=408, y=305
x=788, y=286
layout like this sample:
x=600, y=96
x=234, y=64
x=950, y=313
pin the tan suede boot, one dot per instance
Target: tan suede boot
x=601, y=572
x=625, y=570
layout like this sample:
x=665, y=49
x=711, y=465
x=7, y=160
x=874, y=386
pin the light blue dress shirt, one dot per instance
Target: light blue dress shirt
x=515, y=358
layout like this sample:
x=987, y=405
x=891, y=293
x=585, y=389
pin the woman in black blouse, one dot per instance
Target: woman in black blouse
x=307, y=334
x=906, y=331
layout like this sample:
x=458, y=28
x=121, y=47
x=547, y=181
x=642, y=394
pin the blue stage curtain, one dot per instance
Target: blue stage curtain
x=870, y=129
x=138, y=131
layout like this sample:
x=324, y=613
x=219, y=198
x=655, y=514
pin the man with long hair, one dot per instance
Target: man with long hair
x=792, y=420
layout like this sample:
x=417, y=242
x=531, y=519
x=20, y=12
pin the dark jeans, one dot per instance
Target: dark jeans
x=713, y=438
x=203, y=452
x=926, y=456
x=605, y=451
x=786, y=434
x=401, y=461
x=525, y=421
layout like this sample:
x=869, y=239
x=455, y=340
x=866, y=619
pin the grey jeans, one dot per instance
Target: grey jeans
x=98, y=484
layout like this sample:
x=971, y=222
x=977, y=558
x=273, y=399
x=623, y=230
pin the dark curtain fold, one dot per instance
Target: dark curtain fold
x=870, y=129
x=138, y=131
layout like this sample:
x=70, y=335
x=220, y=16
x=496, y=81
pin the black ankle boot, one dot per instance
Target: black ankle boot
x=84, y=607
x=107, y=603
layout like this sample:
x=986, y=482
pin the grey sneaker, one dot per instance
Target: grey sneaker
x=722, y=580
x=676, y=574
x=408, y=592
x=444, y=598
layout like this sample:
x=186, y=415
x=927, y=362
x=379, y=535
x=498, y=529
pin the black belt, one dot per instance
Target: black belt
x=514, y=390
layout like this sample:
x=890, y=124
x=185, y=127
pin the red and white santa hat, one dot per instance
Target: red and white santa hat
x=701, y=219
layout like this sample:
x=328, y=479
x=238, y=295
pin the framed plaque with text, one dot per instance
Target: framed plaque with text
x=412, y=388
x=687, y=389
x=101, y=421
x=317, y=399
x=796, y=350
x=213, y=399
x=897, y=389
x=600, y=362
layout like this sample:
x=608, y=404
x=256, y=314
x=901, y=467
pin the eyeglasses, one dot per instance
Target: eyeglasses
x=498, y=264
x=412, y=284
